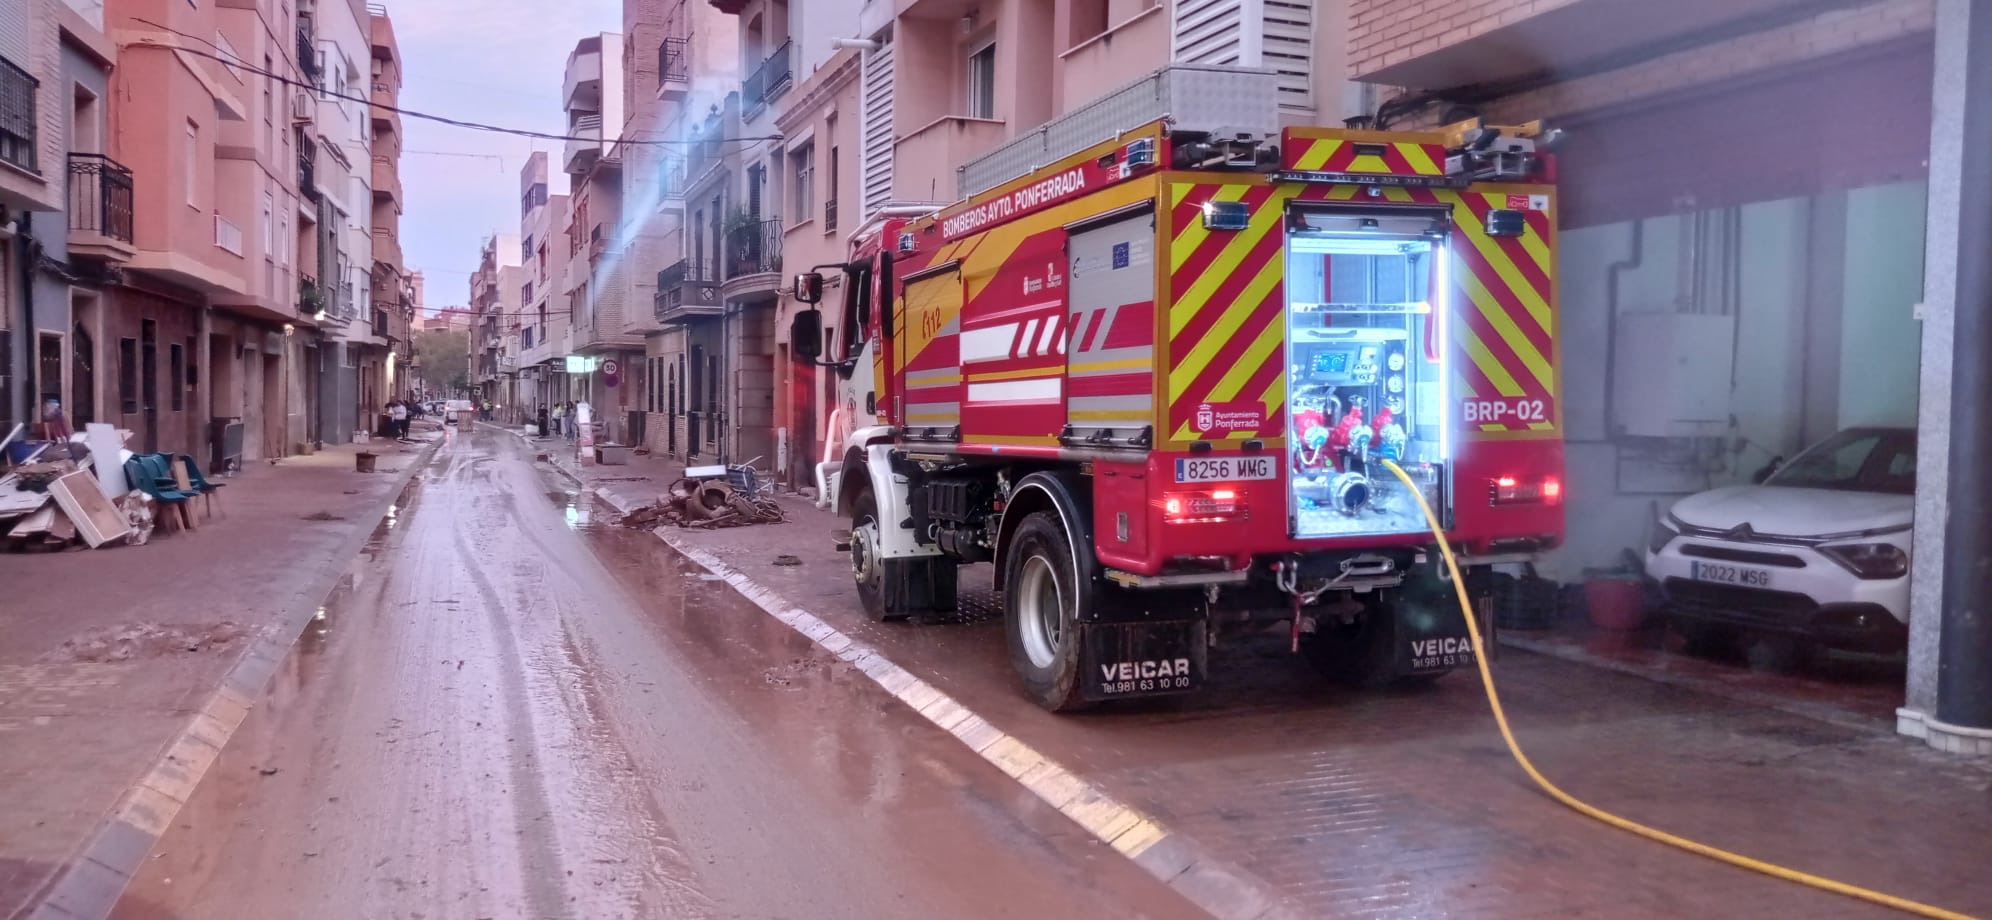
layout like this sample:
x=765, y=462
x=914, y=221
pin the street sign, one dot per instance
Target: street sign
x=611, y=367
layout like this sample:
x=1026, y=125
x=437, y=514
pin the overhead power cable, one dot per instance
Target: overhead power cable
x=237, y=63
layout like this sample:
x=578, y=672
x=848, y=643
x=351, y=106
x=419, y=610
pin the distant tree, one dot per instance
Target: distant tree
x=445, y=360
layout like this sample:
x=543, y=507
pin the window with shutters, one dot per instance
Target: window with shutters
x=802, y=163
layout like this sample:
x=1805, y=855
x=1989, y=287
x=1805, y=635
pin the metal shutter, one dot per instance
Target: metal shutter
x=875, y=131
x=1276, y=35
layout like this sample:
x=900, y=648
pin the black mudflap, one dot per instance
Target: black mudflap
x=1431, y=638
x=1123, y=660
x=1142, y=643
x=920, y=586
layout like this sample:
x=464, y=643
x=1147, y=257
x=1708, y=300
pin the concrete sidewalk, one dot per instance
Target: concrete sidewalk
x=111, y=659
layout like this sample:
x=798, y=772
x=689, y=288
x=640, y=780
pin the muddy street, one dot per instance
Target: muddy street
x=507, y=710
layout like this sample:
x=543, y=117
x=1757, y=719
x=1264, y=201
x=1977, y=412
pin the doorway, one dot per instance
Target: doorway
x=148, y=381
x=48, y=374
x=82, y=377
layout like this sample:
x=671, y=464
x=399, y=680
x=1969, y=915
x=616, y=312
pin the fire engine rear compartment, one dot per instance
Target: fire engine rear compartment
x=1366, y=372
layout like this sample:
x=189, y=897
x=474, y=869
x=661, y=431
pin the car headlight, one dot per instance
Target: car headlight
x=1870, y=560
x=1658, y=536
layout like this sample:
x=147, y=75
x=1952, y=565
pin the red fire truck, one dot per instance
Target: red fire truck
x=1153, y=382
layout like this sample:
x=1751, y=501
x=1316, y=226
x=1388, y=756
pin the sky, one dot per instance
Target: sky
x=494, y=61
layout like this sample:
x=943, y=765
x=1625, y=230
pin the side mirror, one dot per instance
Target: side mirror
x=806, y=332
x=809, y=287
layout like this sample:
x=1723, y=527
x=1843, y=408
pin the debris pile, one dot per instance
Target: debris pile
x=705, y=504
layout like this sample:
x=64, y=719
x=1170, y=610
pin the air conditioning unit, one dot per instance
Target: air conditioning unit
x=302, y=107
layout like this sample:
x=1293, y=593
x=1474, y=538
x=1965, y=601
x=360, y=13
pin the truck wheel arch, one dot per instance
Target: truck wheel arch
x=1063, y=495
x=853, y=473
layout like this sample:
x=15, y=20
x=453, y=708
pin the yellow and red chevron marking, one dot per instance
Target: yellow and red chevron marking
x=1227, y=324
x=1359, y=153
x=1226, y=316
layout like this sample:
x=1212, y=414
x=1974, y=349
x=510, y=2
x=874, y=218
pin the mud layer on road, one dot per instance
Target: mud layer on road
x=514, y=709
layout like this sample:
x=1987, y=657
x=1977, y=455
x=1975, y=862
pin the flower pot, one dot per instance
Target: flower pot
x=1615, y=602
x=363, y=462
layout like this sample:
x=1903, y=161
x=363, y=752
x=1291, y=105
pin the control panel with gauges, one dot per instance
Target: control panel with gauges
x=1364, y=364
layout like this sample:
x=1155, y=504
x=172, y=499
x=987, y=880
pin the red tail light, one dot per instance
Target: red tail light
x=1508, y=490
x=1202, y=507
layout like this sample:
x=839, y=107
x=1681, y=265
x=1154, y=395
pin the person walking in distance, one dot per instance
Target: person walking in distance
x=397, y=414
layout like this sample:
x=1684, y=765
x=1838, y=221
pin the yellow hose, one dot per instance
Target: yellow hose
x=1501, y=718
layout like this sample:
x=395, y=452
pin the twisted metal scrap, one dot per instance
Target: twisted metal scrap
x=705, y=505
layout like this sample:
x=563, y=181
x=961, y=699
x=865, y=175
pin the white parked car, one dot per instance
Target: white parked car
x=1819, y=552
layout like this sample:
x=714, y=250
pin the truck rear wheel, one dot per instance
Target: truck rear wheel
x=1041, y=612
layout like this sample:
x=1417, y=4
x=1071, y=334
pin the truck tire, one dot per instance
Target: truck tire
x=1362, y=654
x=1041, y=612
x=867, y=570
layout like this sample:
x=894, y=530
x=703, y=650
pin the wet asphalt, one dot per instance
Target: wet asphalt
x=511, y=709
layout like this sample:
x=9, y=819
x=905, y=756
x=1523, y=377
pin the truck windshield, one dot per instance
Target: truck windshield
x=1364, y=373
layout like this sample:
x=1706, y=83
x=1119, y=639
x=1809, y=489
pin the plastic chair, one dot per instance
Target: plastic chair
x=149, y=473
x=201, y=484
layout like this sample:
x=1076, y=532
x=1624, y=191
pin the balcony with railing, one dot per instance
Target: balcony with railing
x=581, y=84
x=672, y=176
x=307, y=165
x=753, y=260
x=307, y=49
x=100, y=202
x=227, y=236
x=686, y=292
x=674, y=68
x=586, y=149
x=768, y=81
x=19, y=117
x=386, y=179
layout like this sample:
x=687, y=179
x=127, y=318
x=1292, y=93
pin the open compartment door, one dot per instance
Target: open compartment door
x=1366, y=366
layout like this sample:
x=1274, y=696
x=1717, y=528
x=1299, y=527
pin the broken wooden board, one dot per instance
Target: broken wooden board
x=97, y=520
x=36, y=523
x=15, y=501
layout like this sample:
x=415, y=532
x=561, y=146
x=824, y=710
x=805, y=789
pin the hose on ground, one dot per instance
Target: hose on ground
x=1626, y=824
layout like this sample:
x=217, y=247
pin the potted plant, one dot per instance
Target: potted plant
x=310, y=299
x=743, y=241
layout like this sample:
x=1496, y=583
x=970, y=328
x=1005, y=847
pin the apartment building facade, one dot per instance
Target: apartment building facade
x=544, y=330
x=494, y=296
x=600, y=285
x=55, y=61
x=697, y=69
x=394, y=301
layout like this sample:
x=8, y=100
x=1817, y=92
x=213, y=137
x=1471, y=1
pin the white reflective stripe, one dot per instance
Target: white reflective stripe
x=1023, y=349
x=1041, y=389
x=1044, y=338
x=987, y=344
